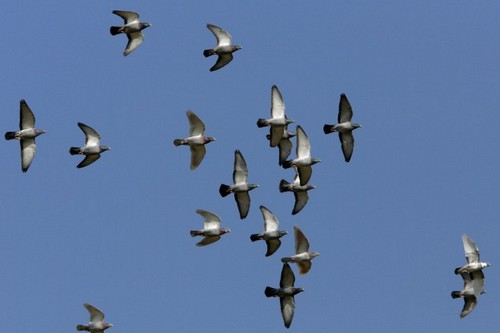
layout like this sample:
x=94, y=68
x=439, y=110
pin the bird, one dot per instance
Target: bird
x=96, y=324
x=302, y=255
x=285, y=144
x=91, y=150
x=472, y=256
x=304, y=161
x=473, y=287
x=26, y=135
x=278, y=120
x=224, y=49
x=286, y=292
x=211, y=231
x=271, y=233
x=196, y=140
x=299, y=191
x=344, y=127
x=132, y=28
x=240, y=186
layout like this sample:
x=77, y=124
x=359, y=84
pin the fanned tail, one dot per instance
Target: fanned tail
x=328, y=129
x=284, y=186
x=74, y=150
x=115, y=30
x=270, y=292
x=455, y=294
x=261, y=122
x=10, y=135
x=224, y=190
x=255, y=237
x=178, y=142
x=208, y=53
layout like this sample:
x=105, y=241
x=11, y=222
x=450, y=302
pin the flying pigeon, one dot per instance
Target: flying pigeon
x=196, y=140
x=271, y=233
x=224, y=49
x=473, y=287
x=472, y=255
x=285, y=144
x=132, y=29
x=91, y=150
x=241, y=187
x=302, y=255
x=304, y=161
x=344, y=127
x=299, y=191
x=211, y=231
x=286, y=293
x=278, y=120
x=26, y=135
x=96, y=324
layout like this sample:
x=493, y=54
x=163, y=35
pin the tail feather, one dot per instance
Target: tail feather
x=457, y=270
x=270, y=292
x=224, y=190
x=286, y=259
x=74, y=150
x=327, y=129
x=179, y=142
x=115, y=30
x=81, y=328
x=455, y=294
x=194, y=233
x=208, y=53
x=287, y=164
x=261, y=123
x=255, y=237
x=284, y=186
x=10, y=135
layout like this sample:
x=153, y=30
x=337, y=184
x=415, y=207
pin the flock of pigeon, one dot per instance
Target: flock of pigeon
x=279, y=136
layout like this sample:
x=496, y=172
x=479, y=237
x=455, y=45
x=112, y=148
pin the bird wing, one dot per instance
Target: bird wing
x=134, y=40
x=197, y=154
x=222, y=60
x=276, y=133
x=304, y=266
x=243, y=202
x=91, y=136
x=471, y=250
x=285, y=147
x=128, y=17
x=301, y=199
x=26, y=116
x=28, y=150
x=303, y=144
x=477, y=282
x=345, y=110
x=240, y=173
x=277, y=103
x=89, y=159
x=212, y=221
x=301, y=242
x=470, y=302
x=208, y=240
x=287, y=304
x=196, y=126
x=96, y=315
x=223, y=37
x=272, y=246
x=305, y=173
x=270, y=221
x=287, y=277
x=347, y=141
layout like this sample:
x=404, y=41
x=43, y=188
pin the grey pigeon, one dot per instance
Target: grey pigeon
x=224, y=49
x=302, y=255
x=26, y=135
x=196, y=140
x=278, y=120
x=472, y=256
x=299, y=191
x=240, y=186
x=91, y=150
x=304, y=161
x=211, y=231
x=271, y=233
x=286, y=293
x=473, y=287
x=132, y=28
x=344, y=127
x=96, y=324
x=285, y=144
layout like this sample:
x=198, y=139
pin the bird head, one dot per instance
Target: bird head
x=104, y=148
x=209, y=139
x=39, y=131
x=485, y=264
x=225, y=230
x=314, y=254
x=236, y=48
x=315, y=160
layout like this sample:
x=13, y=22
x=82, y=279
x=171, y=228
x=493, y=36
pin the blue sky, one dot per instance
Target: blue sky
x=422, y=78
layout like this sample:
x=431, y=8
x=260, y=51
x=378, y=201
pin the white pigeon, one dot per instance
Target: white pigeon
x=224, y=49
x=96, y=324
x=91, y=150
x=473, y=287
x=271, y=233
x=132, y=28
x=211, y=231
x=472, y=256
x=299, y=192
x=304, y=161
x=302, y=255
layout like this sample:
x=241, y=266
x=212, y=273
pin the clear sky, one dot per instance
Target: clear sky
x=422, y=78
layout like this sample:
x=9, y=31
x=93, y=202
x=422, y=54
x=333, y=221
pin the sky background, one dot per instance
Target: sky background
x=422, y=78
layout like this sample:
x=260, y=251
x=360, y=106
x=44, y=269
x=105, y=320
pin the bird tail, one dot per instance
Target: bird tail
x=284, y=186
x=208, y=53
x=270, y=292
x=179, y=142
x=224, y=190
x=10, y=135
x=194, y=233
x=81, y=328
x=457, y=270
x=74, y=150
x=287, y=164
x=455, y=294
x=255, y=237
x=115, y=30
x=261, y=123
x=286, y=259
x=328, y=129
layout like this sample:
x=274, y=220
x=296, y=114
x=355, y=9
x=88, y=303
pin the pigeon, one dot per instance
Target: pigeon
x=472, y=255
x=241, y=187
x=304, y=160
x=211, y=231
x=299, y=191
x=286, y=293
x=26, y=135
x=278, y=120
x=285, y=144
x=271, y=233
x=96, y=324
x=91, y=150
x=132, y=29
x=473, y=287
x=196, y=140
x=224, y=49
x=344, y=127
x=302, y=255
